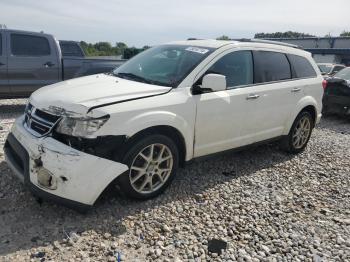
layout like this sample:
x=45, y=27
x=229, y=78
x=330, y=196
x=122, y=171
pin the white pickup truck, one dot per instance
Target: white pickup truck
x=164, y=107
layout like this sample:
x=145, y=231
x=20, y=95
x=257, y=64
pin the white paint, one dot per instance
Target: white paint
x=87, y=175
x=209, y=123
x=214, y=82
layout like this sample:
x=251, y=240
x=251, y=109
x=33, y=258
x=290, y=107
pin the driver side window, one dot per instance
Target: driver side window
x=237, y=67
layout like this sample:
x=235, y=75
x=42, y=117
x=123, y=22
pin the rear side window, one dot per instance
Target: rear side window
x=301, y=67
x=0, y=44
x=29, y=45
x=236, y=66
x=270, y=66
x=71, y=49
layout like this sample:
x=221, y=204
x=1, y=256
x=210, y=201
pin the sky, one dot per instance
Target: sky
x=151, y=22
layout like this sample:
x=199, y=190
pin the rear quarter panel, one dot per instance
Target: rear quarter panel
x=313, y=92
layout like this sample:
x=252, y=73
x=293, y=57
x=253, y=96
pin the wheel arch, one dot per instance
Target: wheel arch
x=166, y=130
x=308, y=104
x=312, y=110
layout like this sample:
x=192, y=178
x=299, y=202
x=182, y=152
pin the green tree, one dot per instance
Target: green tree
x=121, y=45
x=345, y=33
x=131, y=51
x=106, y=49
x=288, y=34
x=223, y=37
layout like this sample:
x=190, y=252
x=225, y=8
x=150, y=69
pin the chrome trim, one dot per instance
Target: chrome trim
x=32, y=117
x=295, y=89
x=252, y=96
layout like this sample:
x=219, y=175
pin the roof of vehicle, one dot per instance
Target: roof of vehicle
x=331, y=64
x=212, y=43
x=23, y=31
x=68, y=41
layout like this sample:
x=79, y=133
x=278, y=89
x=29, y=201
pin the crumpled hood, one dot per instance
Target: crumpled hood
x=80, y=94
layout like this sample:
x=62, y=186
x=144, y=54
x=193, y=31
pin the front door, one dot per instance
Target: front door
x=4, y=84
x=226, y=119
x=32, y=62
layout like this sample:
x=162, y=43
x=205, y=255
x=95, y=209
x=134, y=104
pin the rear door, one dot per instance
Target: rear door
x=4, y=85
x=276, y=94
x=32, y=62
x=281, y=82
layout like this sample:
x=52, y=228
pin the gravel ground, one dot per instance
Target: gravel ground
x=267, y=205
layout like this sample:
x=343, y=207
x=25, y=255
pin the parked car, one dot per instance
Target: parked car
x=329, y=69
x=166, y=106
x=31, y=60
x=336, y=97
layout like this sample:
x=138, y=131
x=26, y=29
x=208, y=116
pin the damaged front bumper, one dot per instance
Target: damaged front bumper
x=55, y=171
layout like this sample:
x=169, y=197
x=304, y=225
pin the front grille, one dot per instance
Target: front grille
x=38, y=122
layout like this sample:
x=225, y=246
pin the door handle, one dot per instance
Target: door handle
x=48, y=64
x=252, y=96
x=1, y=64
x=296, y=89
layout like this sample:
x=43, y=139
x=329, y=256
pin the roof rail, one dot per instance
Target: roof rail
x=193, y=38
x=254, y=40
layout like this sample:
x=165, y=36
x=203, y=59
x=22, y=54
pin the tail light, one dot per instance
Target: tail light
x=324, y=84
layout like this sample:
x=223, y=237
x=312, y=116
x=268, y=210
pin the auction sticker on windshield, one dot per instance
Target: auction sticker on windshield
x=197, y=50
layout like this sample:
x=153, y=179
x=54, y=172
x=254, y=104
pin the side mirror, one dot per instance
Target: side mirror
x=215, y=82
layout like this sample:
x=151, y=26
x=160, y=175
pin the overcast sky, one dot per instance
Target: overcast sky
x=150, y=22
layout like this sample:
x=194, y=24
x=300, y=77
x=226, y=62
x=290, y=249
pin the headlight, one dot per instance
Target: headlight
x=81, y=127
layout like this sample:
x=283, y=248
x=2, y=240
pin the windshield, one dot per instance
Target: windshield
x=325, y=68
x=343, y=74
x=165, y=65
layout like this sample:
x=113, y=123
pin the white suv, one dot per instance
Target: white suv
x=164, y=107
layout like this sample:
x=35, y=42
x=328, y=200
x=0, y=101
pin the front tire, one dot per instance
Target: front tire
x=152, y=162
x=299, y=134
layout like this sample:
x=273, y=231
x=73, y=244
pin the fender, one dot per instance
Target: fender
x=304, y=102
x=139, y=122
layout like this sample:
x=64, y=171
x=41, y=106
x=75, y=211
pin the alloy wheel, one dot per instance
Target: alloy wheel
x=301, y=132
x=151, y=168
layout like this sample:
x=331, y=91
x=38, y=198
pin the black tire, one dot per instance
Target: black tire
x=134, y=150
x=287, y=142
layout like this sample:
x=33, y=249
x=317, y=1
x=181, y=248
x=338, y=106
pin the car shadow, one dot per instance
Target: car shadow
x=335, y=123
x=13, y=110
x=26, y=223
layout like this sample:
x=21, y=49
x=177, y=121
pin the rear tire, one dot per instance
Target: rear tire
x=299, y=134
x=152, y=162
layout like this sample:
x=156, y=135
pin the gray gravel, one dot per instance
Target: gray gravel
x=267, y=205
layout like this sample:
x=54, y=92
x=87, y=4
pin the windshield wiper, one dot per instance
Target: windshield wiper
x=132, y=76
